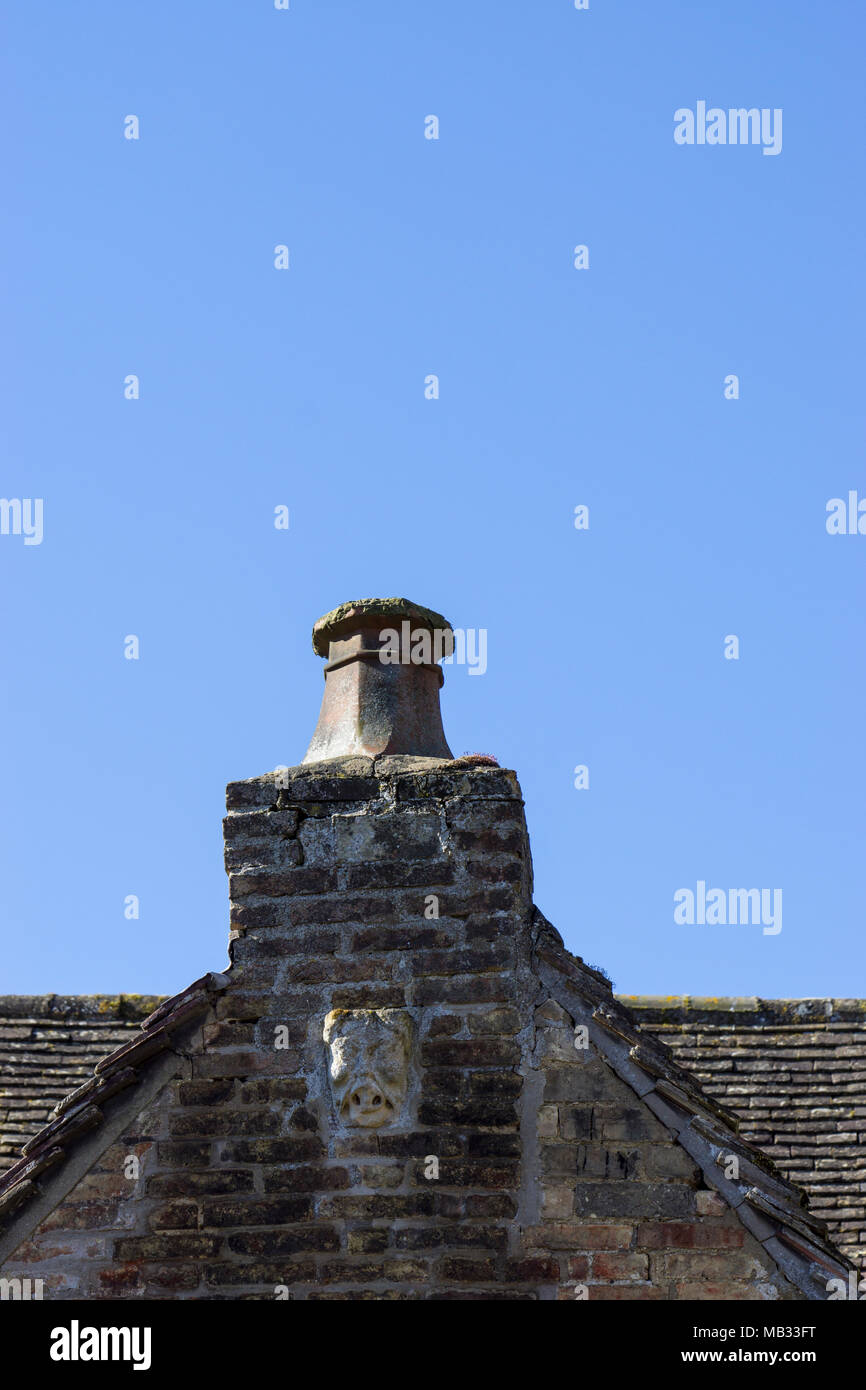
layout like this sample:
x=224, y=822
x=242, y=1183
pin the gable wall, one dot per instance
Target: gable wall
x=552, y=1180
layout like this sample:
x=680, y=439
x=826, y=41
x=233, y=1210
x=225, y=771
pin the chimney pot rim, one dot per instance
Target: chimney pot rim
x=351, y=616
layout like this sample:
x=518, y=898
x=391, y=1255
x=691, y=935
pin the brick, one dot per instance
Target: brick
x=581, y=1081
x=167, y=1247
x=120, y=1281
x=382, y=1175
x=477, y=990
x=592, y=1161
x=403, y=938
x=607, y=1265
x=490, y=1086
x=533, y=1270
x=295, y=1148
x=212, y=1183
x=205, y=1092
x=465, y=1295
x=691, y=1265
x=363, y=1296
x=280, y=883
x=460, y=962
x=256, y=1211
x=255, y=792
x=368, y=997
x=313, y=1236
x=456, y=1270
x=273, y=1088
x=579, y=1122
x=669, y=1161
x=477, y=783
x=258, y=916
x=229, y=1033
x=633, y=1124
x=244, y=1064
x=174, y=1278
x=404, y=838
x=688, y=1235
x=422, y=1237
x=503, y=1022
x=174, y=1216
x=478, y=1173
x=471, y=1052
x=486, y=1145
x=375, y=1207
x=252, y=954
x=351, y=908
x=472, y=1235
x=338, y=972
x=569, y=1236
x=502, y=899
x=318, y=789
x=624, y=1293
x=266, y=1275
x=633, y=1199
x=223, y=1123
x=187, y=1155
x=241, y=1006
x=557, y=1203
x=726, y=1292
x=368, y=1240
x=491, y=841
x=443, y=1143
x=498, y=871
x=490, y=1205
x=445, y=1081
x=475, y=1112
x=297, y=1178
x=260, y=825
x=396, y=874
x=367, y=1271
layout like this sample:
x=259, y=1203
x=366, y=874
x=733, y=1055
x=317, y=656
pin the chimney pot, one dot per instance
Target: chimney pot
x=381, y=694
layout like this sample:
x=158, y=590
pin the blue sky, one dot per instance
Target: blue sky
x=558, y=387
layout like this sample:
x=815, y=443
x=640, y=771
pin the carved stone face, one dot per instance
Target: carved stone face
x=368, y=1063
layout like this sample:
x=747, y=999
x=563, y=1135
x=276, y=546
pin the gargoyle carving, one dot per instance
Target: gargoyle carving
x=368, y=1063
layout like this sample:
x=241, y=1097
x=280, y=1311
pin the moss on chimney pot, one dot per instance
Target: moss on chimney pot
x=350, y=615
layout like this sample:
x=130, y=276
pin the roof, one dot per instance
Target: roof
x=794, y=1071
x=116, y=1089
x=49, y=1044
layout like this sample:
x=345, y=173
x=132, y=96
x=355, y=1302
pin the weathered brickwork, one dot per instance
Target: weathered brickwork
x=617, y=1189
x=404, y=1088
